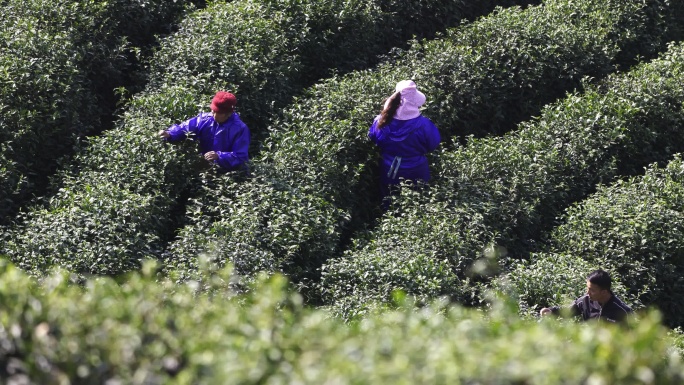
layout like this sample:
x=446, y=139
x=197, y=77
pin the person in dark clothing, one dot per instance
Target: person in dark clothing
x=599, y=303
x=223, y=137
x=404, y=137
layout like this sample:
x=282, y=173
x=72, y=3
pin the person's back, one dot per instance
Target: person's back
x=411, y=139
x=404, y=137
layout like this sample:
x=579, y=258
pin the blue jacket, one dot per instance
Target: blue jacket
x=230, y=139
x=407, y=141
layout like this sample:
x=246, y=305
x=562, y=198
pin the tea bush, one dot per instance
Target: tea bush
x=59, y=61
x=427, y=261
x=153, y=331
x=516, y=185
x=44, y=97
x=549, y=279
x=116, y=209
x=265, y=53
x=72, y=231
x=633, y=229
x=296, y=224
x=270, y=50
x=319, y=146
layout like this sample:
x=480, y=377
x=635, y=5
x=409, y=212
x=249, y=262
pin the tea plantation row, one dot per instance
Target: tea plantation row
x=315, y=183
x=503, y=193
x=59, y=64
x=149, y=332
x=632, y=227
x=116, y=203
x=312, y=193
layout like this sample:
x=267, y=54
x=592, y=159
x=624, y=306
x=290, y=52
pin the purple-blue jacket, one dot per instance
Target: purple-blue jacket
x=230, y=139
x=404, y=144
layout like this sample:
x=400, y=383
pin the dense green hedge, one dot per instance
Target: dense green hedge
x=497, y=69
x=116, y=209
x=148, y=332
x=515, y=186
x=547, y=279
x=271, y=49
x=59, y=63
x=41, y=81
x=266, y=52
x=295, y=224
x=632, y=228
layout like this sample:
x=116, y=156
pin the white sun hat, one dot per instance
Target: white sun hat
x=411, y=100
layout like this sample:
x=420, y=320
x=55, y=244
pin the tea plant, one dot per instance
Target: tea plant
x=633, y=228
x=516, y=185
x=266, y=54
x=147, y=330
x=59, y=61
x=319, y=150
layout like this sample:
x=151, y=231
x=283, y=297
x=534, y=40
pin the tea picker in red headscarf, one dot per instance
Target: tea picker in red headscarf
x=223, y=137
x=404, y=137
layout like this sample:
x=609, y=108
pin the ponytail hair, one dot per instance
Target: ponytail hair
x=391, y=106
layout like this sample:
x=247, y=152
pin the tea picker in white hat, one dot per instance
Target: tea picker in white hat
x=404, y=137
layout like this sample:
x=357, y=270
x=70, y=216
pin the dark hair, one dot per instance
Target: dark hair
x=600, y=278
x=388, y=112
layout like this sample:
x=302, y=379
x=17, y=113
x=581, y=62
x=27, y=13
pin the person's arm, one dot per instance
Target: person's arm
x=574, y=309
x=373, y=131
x=180, y=131
x=240, y=150
x=555, y=310
x=432, y=137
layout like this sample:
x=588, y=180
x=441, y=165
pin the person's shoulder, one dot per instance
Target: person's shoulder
x=203, y=117
x=619, y=305
x=236, y=119
x=582, y=300
x=424, y=120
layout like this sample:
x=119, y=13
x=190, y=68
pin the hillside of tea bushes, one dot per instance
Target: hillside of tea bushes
x=151, y=331
x=128, y=260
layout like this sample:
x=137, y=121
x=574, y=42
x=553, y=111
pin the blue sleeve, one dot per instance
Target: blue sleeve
x=373, y=131
x=231, y=160
x=180, y=131
x=432, y=137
